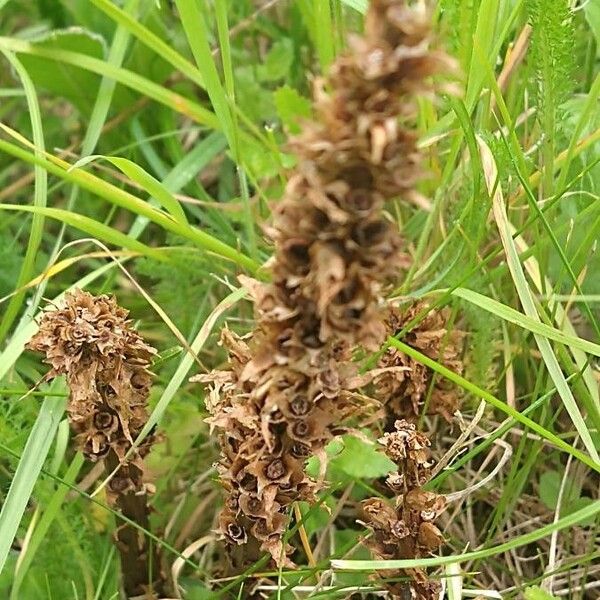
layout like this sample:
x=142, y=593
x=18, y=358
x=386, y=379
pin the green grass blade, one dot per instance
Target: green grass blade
x=324, y=35
x=98, y=116
x=358, y=5
x=130, y=202
x=150, y=39
x=125, y=77
x=91, y=227
x=33, y=457
x=196, y=32
x=186, y=170
x=518, y=318
x=186, y=362
x=39, y=197
x=529, y=538
x=495, y=402
x=226, y=59
x=149, y=183
x=43, y=525
x=527, y=300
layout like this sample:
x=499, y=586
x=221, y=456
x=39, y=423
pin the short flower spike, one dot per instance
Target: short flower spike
x=90, y=340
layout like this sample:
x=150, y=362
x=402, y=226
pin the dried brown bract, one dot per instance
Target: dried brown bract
x=412, y=389
x=288, y=389
x=90, y=340
x=406, y=531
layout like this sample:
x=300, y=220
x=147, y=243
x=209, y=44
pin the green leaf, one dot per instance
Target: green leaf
x=315, y=518
x=550, y=483
x=291, y=107
x=537, y=593
x=580, y=504
x=197, y=591
x=278, y=61
x=359, y=5
x=76, y=85
x=360, y=460
x=253, y=98
x=592, y=15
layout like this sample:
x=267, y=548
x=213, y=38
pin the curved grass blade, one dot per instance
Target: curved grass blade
x=39, y=195
x=58, y=267
x=196, y=32
x=126, y=200
x=136, y=173
x=132, y=80
x=186, y=362
x=184, y=171
x=495, y=402
x=150, y=39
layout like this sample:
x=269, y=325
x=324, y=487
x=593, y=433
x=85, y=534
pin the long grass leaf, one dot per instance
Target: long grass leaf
x=90, y=226
x=39, y=196
x=150, y=39
x=128, y=78
x=33, y=457
x=149, y=183
x=196, y=32
x=526, y=297
x=183, y=172
x=43, y=525
x=518, y=318
x=516, y=542
x=495, y=402
x=130, y=202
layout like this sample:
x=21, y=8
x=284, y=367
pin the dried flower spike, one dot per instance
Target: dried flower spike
x=408, y=388
x=288, y=388
x=406, y=531
x=91, y=342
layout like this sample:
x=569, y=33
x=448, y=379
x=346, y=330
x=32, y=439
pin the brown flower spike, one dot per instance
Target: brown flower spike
x=406, y=387
x=406, y=531
x=288, y=389
x=91, y=342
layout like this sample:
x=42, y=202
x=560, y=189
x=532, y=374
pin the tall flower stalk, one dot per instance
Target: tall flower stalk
x=91, y=342
x=288, y=389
